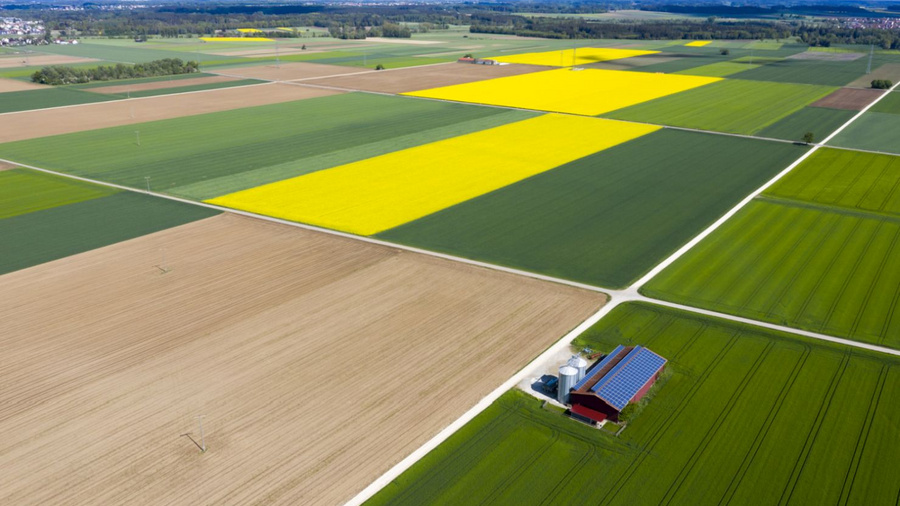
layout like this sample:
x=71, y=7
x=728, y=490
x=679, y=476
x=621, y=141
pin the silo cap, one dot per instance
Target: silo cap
x=567, y=370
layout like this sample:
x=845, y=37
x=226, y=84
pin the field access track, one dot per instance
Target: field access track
x=318, y=363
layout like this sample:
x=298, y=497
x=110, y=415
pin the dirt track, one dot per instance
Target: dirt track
x=288, y=71
x=13, y=85
x=161, y=85
x=318, y=362
x=421, y=78
x=61, y=120
x=851, y=99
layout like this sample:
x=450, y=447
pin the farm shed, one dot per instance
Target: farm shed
x=623, y=376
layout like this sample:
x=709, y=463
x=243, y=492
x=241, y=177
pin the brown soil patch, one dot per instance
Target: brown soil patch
x=61, y=120
x=13, y=85
x=421, y=78
x=851, y=99
x=318, y=362
x=288, y=71
x=890, y=71
x=161, y=85
x=7, y=166
x=41, y=60
x=815, y=55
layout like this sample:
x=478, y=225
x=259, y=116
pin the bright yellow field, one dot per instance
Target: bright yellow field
x=589, y=92
x=235, y=39
x=373, y=195
x=570, y=57
x=249, y=30
x=698, y=43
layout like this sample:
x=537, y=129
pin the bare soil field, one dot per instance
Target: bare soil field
x=851, y=99
x=40, y=60
x=13, y=85
x=7, y=166
x=61, y=120
x=890, y=71
x=318, y=363
x=288, y=71
x=161, y=85
x=421, y=78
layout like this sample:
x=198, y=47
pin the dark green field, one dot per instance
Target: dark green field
x=14, y=101
x=735, y=106
x=889, y=104
x=747, y=416
x=209, y=155
x=830, y=73
x=820, y=121
x=608, y=218
x=873, y=131
x=41, y=236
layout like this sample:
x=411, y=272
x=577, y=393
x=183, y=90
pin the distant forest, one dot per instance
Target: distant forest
x=403, y=20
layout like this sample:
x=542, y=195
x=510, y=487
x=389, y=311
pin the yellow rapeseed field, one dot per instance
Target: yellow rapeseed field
x=376, y=194
x=570, y=57
x=589, y=92
x=236, y=39
x=698, y=43
x=249, y=30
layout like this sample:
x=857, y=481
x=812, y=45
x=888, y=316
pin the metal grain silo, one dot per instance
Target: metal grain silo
x=578, y=363
x=567, y=378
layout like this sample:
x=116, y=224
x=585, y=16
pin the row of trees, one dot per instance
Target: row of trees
x=57, y=75
x=339, y=31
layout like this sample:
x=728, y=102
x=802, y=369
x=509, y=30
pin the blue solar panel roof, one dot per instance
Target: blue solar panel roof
x=594, y=370
x=624, y=380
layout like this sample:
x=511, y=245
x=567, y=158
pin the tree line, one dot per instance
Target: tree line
x=57, y=74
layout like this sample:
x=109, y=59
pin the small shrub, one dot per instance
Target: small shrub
x=379, y=67
x=881, y=84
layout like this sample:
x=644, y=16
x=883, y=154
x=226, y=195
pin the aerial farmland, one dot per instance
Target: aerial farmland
x=286, y=277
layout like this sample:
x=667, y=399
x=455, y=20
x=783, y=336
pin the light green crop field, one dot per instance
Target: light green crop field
x=873, y=131
x=735, y=106
x=209, y=155
x=746, y=417
x=889, y=104
x=608, y=218
x=810, y=266
x=23, y=191
x=849, y=179
x=831, y=73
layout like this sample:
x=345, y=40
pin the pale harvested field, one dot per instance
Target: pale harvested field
x=414, y=42
x=14, y=85
x=161, y=85
x=889, y=71
x=6, y=166
x=288, y=71
x=319, y=362
x=62, y=120
x=423, y=78
x=39, y=60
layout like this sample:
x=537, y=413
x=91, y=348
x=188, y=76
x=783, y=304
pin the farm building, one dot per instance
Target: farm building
x=623, y=376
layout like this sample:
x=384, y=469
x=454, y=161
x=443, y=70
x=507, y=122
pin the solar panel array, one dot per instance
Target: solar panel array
x=628, y=376
x=594, y=370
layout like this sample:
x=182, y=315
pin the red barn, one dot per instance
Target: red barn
x=623, y=376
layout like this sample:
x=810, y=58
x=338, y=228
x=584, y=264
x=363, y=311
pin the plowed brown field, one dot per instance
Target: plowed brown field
x=289, y=71
x=318, y=362
x=62, y=120
x=13, y=85
x=851, y=99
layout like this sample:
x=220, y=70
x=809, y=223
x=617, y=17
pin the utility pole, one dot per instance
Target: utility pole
x=137, y=135
x=277, y=60
x=147, y=179
x=869, y=65
x=202, y=438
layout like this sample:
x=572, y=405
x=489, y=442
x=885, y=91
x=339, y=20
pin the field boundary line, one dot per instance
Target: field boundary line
x=475, y=410
x=740, y=205
x=370, y=240
x=772, y=326
x=367, y=71
x=266, y=83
